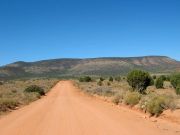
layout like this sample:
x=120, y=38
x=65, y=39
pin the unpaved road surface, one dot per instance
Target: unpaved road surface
x=65, y=111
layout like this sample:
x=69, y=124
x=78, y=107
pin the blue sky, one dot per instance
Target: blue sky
x=33, y=30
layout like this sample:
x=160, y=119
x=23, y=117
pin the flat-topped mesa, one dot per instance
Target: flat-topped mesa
x=89, y=66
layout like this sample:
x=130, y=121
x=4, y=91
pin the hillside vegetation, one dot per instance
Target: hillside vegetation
x=95, y=66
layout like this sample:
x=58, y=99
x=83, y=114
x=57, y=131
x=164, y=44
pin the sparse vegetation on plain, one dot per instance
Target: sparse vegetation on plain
x=139, y=90
x=15, y=93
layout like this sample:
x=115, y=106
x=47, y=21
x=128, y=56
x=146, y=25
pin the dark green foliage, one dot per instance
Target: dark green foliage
x=178, y=90
x=81, y=79
x=85, y=79
x=154, y=77
x=163, y=77
x=175, y=81
x=111, y=79
x=118, y=78
x=124, y=78
x=152, y=82
x=35, y=88
x=159, y=83
x=1, y=83
x=168, y=78
x=101, y=79
x=139, y=80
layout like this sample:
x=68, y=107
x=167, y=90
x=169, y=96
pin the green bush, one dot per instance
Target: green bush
x=101, y=79
x=152, y=82
x=111, y=79
x=85, y=79
x=156, y=105
x=154, y=77
x=139, y=80
x=7, y=104
x=132, y=98
x=159, y=83
x=178, y=90
x=163, y=77
x=118, y=78
x=175, y=81
x=168, y=78
x=35, y=88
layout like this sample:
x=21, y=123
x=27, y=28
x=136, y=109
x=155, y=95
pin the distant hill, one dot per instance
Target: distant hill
x=93, y=66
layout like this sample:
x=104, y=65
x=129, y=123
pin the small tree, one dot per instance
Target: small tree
x=152, y=82
x=178, y=90
x=175, y=81
x=168, y=78
x=163, y=77
x=139, y=80
x=159, y=83
x=111, y=79
x=85, y=79
x=101, y=79
x=154, y=77
x=35, y=88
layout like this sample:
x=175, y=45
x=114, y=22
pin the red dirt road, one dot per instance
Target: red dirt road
x=64, y=111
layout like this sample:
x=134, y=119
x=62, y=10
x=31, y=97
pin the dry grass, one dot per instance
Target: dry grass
x=12, y=93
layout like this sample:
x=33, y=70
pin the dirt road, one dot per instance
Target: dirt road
x=64, y=111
